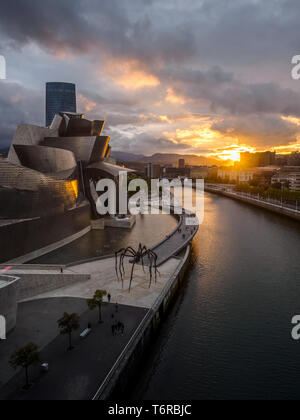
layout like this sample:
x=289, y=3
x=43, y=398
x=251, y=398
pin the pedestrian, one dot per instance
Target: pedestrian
x=109, y=297
x=117, y=307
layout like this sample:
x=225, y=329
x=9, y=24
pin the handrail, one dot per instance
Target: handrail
x=11, y=267
x=121, y=357
x=251, y=197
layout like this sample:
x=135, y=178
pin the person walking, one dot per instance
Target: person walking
x=109, y=297
x=117, y=307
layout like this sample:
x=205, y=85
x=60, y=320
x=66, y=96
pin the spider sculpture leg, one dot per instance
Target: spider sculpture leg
x=131, y=252
x=154, y=259
x=127, y=253
x=150, y=267
x=131, y=277
x=143, y=252
x=116, y=262
x=155, y=267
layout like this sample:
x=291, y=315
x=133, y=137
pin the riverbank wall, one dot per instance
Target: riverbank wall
x=128, y=364
x=283, y=211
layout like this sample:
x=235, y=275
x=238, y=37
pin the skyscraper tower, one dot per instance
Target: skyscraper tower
x=181, y=163
x=60, y=97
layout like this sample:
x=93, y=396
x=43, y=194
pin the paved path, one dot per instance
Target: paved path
x=36, y=323
x=177, y=241
x=75, y=375
x=103, y=276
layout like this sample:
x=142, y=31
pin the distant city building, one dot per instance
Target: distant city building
x=285, y=176
x=267, y=159
x=139, y=167
x=295, y=181
x=199, y=172
x=288, y=176
x=177, y=173
x=262, y=176
x=60, y=97
x=153, y=171
x=235, y=175
x=294, y=159
x=181, y=163
x=252, y=160
x=149, y=170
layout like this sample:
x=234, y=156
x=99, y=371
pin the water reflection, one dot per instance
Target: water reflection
x=229, y=334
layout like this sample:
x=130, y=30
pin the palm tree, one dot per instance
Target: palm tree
x=96, y=302
x=24, y=358
x=67, y=324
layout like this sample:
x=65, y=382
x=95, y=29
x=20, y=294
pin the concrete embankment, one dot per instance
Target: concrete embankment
x=275, y=208
x=35, y=280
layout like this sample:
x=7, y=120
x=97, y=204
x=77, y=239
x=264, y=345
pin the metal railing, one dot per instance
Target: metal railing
x=256, y=198
x=11, y=267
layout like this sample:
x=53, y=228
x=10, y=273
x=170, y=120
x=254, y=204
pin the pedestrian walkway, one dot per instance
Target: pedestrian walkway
x=74, y=375
x=103, y=277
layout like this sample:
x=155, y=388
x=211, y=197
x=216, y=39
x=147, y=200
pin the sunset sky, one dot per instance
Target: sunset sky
x=206, y=77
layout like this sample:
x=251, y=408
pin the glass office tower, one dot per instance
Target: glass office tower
x=60, y=97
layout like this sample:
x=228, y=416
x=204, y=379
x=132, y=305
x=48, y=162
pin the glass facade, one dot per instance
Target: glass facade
x=59, y=97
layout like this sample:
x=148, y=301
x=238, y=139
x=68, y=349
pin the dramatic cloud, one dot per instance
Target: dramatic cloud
x=207, y=77
x=17, y=105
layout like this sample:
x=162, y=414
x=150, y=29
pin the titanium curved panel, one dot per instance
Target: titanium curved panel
x=84, y=128
x=86, y=149
x=46, y=159
x=108, y=152
x=105, y=169
x=100, y=149
x=29, y=135
x=25, y=193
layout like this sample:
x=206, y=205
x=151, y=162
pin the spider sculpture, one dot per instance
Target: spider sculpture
x=142, y=255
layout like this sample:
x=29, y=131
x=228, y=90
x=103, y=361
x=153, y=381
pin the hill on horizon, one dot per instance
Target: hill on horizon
x=167, y=159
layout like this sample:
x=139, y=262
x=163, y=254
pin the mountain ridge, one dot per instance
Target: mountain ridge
x=166, y=159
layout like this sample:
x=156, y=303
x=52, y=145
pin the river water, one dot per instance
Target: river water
x=228, y=336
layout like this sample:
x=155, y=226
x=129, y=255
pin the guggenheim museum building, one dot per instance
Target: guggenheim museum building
x=48, y=185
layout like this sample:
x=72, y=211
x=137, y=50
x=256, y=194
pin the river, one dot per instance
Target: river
x=228, y=336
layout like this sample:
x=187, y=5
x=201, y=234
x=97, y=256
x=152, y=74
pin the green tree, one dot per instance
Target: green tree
x=96, y=302
x=24, y=358
x=67, y=324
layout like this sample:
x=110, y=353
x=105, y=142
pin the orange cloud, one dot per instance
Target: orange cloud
x=131, y=75
x=195, y=135
x=173, y=98
x=292, y=120
x=85, y=103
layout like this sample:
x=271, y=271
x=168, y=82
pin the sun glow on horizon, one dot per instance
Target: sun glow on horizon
x=233, y=152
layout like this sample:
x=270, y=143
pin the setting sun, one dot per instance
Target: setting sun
x=233, y=152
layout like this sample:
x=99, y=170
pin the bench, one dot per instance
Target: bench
x=85, y=333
